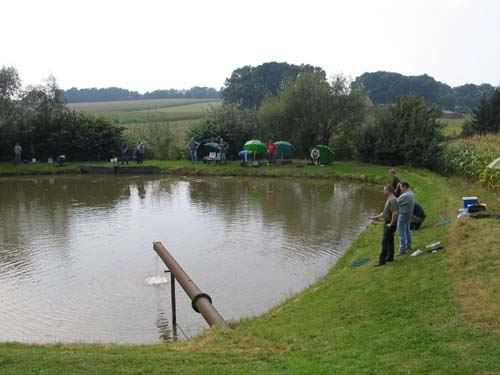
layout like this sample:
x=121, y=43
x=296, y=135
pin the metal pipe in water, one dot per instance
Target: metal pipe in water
x=201, y=302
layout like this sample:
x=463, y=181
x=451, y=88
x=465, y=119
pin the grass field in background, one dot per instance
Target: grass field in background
x=136, y=115
x=453, y=127
x=137, y=105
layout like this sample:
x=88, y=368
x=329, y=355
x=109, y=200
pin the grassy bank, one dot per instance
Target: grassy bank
x=353, y=170
x=433, y=314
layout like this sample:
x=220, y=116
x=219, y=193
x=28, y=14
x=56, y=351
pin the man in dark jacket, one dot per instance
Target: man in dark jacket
x=418, y=217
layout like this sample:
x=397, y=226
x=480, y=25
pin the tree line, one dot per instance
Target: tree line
x=75, y=95
x=298, y=103
x=248, y=86
x=278, y=101
x=387, y=87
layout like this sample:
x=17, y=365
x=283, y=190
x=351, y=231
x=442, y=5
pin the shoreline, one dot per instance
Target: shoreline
x=346, y=170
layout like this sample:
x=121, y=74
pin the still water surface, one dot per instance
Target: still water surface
x=77, y=265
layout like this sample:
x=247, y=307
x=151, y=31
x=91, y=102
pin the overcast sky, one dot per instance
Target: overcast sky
x=148, y=44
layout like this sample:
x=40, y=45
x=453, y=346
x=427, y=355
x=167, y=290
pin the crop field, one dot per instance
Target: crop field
x=148, y=111
x=137, y=115
x=139, y=105
x=453, y=127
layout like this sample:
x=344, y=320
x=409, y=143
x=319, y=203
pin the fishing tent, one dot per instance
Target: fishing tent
x=321, y=154
x=209, y=148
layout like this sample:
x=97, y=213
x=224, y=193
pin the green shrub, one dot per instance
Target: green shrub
x=405, y=133
x=158, y=139
x=233, y=124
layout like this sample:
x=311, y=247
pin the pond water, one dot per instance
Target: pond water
x=77, y=264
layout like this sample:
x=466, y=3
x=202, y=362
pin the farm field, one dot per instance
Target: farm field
x=136, y=115
x=453, y=127
x=137, y=105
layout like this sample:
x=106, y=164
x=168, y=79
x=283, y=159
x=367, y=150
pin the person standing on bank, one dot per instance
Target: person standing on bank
x=406, y=202
x=395, y=182
x=140, y=150
x=272, y=149
x=124, y=153
x=18, y=152
x=390, y=216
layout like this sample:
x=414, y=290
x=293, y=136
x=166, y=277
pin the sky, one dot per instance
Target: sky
x=147, y=45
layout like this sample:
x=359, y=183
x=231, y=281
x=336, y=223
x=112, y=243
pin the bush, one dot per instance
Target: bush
x=74, y=134
x=405, y=133
x=158, y=139
x=78, y=136
x=234, y=125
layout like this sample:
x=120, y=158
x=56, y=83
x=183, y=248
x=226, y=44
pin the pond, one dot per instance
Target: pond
x=77, y=264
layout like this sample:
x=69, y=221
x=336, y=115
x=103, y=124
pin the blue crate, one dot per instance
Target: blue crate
x=470, y=201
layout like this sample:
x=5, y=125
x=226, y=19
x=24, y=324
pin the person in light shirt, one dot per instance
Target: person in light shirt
x=406, y=202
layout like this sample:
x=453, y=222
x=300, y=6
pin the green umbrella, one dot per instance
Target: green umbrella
x=255, y=146
x=284, y=149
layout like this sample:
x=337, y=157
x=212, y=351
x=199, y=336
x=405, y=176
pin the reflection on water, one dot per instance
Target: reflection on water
x=76, y=253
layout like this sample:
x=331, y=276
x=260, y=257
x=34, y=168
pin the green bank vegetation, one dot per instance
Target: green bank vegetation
x=470, y=157
x=433, y=314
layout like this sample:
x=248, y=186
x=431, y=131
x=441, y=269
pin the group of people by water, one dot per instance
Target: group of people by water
x=401, y=213
x=125, y=156
x=18, y=157
x=137, y=155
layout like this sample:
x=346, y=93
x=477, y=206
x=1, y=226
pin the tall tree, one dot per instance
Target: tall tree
x=9, y=82
x=311, y=110
x=486, y=118
x=10, y=86
x=249, y=86
x=407, y=132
